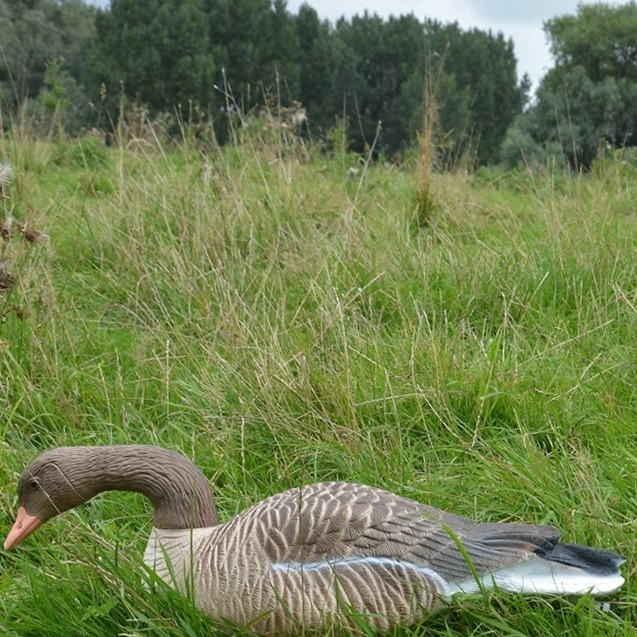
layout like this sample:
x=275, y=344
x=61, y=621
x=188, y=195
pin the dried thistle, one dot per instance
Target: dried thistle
x=6, y=172
x=7, y=280
x=32, y=236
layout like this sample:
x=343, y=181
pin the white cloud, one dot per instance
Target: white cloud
x=509, y=12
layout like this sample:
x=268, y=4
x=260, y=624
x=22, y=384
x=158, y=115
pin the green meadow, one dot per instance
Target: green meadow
x=283, y=316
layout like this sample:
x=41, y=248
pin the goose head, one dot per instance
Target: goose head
x=63, y=478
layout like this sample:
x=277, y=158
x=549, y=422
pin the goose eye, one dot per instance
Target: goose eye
x=34, y=484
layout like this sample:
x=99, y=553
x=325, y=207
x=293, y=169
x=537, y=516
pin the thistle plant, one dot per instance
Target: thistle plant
x=8, y=229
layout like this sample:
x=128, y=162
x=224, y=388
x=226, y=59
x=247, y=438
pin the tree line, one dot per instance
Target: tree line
x=167, y=54
x=219, y=57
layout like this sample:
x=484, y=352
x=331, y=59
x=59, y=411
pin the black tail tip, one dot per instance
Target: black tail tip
x=597, y=561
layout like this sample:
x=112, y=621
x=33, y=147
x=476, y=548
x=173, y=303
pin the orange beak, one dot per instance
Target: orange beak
x=23, y=526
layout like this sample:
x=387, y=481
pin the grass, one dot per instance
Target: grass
x=282, y=323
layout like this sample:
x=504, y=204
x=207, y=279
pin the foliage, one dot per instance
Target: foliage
x=158, y=49
x=320, y=57
x=520, y=148
x=226, y=58
x=588, y=101
x=35, y=33
x=601, y=38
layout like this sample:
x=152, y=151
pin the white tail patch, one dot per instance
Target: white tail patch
x=538, y=576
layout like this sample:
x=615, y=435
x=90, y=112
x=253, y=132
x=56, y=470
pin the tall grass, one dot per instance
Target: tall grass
x=282, y=324
x=426, y=158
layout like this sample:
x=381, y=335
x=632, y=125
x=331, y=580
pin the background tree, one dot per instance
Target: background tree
x=600, y=38
x=473, y=72
x=10, y=56
x=158, y=49
x=281, y=64
x=32, y=40
x=586, y=102
x=478, y=92
x=35, y=35
x=373, y=75
x=239, y=34
x=319, y=55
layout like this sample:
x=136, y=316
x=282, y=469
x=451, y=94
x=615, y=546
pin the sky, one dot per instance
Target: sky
x=521, y=20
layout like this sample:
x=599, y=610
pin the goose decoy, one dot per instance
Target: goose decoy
x=312, y=555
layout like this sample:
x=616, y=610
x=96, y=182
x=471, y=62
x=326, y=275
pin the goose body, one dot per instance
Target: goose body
x=311, y=555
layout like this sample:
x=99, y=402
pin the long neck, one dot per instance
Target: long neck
x=178, y=490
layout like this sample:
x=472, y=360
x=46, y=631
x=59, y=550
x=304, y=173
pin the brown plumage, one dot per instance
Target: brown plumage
x=308, y=556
